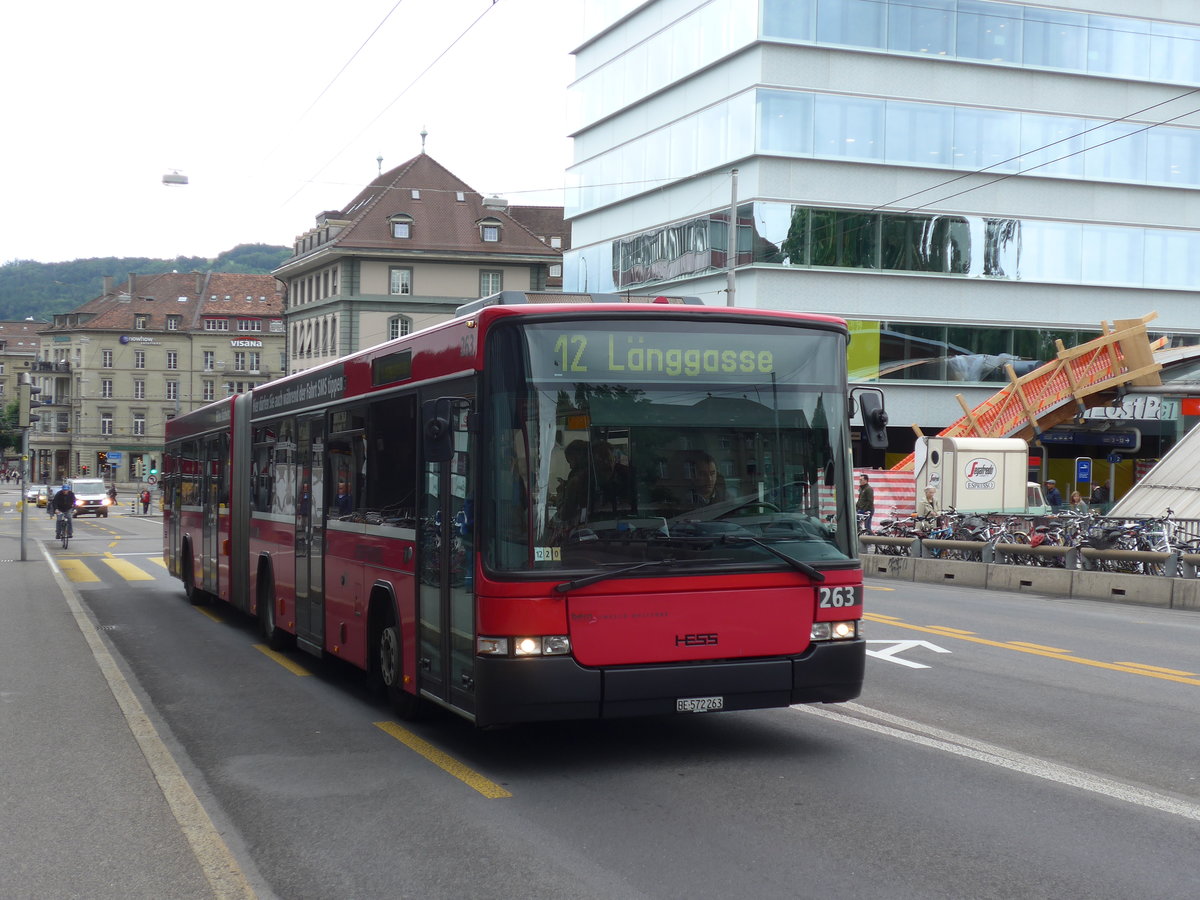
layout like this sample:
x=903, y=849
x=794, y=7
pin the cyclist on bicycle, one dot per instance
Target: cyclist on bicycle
x=63, y=502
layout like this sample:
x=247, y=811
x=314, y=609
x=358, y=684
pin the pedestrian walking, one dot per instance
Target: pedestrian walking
x=145, y=501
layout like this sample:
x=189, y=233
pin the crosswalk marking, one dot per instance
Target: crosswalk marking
x=76, y=571
x=128, y=570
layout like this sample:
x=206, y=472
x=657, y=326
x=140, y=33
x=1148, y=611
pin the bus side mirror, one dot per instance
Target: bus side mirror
x=874, y=417
x=437, y=427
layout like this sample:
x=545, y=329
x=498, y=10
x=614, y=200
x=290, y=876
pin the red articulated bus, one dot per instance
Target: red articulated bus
x=551, y=507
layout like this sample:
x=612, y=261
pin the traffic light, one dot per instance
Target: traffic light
x=139, y=468
x=26, y=403
x=101, y=460
x=153, y=466
x=83, y=469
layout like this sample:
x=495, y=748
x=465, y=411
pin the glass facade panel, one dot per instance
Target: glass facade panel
x=785, y=122
x=1173, y=155
x=857, y=23
x=1051, y=251
x=1116, y=152
x=1175, y=53
x=848, y=127
x=985, y=139
x=1119, y=47
x=1052, y=145
x=926, y=27
x=1113, y=255
x=989, y=31
x=969, y=246
x=789, y=19
x=919, y=132
x=1054, y=39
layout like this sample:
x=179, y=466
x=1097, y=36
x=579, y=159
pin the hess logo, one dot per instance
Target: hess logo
x=695, y=640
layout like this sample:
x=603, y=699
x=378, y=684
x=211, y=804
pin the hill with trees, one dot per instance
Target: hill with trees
x=39, y=290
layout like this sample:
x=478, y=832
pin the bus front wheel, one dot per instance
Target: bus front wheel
x=390, y=670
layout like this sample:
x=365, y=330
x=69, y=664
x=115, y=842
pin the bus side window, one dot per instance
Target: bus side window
x=389, y=484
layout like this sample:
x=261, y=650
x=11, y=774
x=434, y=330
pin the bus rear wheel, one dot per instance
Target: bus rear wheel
x=273, y=636
x=195, y=596
x=389, y=668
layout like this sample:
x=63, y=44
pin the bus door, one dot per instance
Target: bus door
x=446, y=600
x=214, y=457
x=310, y=532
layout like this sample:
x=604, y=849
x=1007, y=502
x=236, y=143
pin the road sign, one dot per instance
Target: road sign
x=114, y=456
x=152, y=480
x=1114, y=458
x=1083, y=470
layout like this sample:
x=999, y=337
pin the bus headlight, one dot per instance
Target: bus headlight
x=550, y=645
x=835, y=631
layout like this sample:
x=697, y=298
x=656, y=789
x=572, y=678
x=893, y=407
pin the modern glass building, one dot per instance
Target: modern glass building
x=965, y=180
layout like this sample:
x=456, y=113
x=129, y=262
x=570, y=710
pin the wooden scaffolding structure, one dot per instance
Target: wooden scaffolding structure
x=1123, y=355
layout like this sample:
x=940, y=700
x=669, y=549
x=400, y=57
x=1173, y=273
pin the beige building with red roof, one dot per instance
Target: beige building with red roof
x=113, y=371
x=414, y=244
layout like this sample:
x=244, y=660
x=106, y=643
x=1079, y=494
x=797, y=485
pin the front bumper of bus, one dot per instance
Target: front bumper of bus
x=558, y=688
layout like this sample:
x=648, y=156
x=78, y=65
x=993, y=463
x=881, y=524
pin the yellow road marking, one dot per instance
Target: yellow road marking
x=157, y=560
x=114, y=543
x=948, y=630
x=208, y=612
x=444, y=761
x=128, y=570
x=873, y=587
x=1039, y=647
x=1155, y=668
x=1131, y=669
x=879, y=617
x=293, y=667
x=76, y=571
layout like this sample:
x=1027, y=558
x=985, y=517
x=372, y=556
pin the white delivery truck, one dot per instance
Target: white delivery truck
x=981, y=475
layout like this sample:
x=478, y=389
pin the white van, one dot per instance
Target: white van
x=91, y=497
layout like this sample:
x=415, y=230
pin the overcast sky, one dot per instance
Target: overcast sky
x=102, y=99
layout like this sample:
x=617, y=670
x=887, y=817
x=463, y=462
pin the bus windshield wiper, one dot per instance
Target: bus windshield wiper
x=799, y=565
x=617, y=573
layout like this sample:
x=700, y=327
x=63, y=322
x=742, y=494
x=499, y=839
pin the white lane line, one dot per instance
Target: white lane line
x=948, y=742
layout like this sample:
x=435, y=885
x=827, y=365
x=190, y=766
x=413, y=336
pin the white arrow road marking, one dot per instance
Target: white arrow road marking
x=899, y=647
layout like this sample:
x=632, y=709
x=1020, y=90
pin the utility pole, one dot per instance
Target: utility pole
x=731, y=241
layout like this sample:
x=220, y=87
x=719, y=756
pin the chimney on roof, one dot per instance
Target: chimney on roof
x=199, y=283
x=494, y=202
x=132, y=281
x=108, y=281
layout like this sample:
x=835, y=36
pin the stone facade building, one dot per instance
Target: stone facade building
x=405, y=253
x=113, y=371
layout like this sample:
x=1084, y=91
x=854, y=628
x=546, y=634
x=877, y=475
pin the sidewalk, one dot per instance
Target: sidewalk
x=86, y=812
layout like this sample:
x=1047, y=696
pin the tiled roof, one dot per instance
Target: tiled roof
x=189, y=295
x=544, y=221
x=440, y=221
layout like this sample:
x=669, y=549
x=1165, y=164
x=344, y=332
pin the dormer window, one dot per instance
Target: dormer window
x=401, y=226
x=140, y=321
x=489, y=230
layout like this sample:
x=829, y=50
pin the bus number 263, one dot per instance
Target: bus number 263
x=839, y=596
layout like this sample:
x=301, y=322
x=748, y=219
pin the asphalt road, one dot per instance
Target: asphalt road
x=1006, y=746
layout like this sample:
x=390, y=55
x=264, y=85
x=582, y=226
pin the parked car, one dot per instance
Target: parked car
x=91, y=497
x=37, y=493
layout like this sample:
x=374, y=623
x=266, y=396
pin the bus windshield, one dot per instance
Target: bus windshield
x=717, y=444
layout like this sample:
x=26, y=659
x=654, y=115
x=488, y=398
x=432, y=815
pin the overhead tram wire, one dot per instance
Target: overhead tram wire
x=891, y=206
x=346, y=64
x=394, y=101
x=1072, y=137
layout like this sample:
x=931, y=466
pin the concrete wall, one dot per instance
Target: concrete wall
x=1144, y=590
